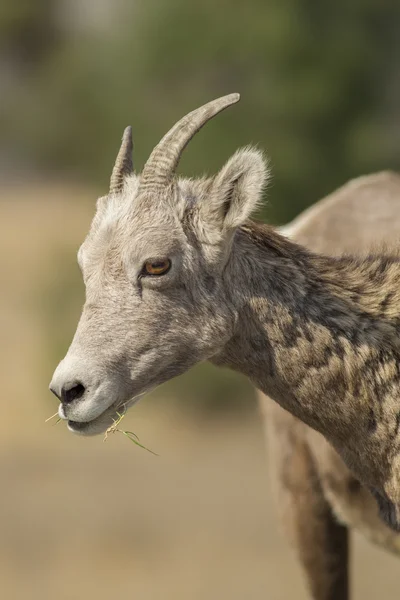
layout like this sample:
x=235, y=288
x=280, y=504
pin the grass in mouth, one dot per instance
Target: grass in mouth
x=129, y=434
x=52, y=417
x=114, y=429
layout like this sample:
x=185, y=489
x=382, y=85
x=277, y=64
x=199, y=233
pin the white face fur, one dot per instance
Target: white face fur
x=156, y=298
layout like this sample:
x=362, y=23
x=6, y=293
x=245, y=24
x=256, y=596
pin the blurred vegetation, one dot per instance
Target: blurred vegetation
x=319, y=84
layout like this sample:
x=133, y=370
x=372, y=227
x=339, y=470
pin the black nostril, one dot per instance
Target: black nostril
x=55, y=393
x=73, y=393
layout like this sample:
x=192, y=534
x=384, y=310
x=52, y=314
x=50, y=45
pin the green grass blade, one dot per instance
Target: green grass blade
x=134, y=435
x=131, y=437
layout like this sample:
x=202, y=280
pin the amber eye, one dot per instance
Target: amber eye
x=156, y=267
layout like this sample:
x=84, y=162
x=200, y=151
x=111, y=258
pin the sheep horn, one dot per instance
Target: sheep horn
x=160, y=168
x=123, y=163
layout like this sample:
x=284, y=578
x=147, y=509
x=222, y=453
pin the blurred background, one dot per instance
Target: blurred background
x=320, y=85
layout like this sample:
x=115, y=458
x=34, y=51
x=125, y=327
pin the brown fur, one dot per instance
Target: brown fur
x=318, y=497
x=308, y=311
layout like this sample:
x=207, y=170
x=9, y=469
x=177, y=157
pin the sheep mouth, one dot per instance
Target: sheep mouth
x=82, y=428
x=102, y=422
x=98, y=425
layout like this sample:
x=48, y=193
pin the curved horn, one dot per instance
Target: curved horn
x=163, y=161
x=123, y=163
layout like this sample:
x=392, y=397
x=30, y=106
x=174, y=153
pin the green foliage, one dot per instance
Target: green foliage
x=25, y=30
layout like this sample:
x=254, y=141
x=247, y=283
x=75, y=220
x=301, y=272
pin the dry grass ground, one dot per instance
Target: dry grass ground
x=83, y=519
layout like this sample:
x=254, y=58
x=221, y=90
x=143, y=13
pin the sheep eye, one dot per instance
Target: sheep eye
x=156, y=267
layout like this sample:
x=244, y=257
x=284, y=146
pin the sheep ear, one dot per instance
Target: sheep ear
x=236, y=190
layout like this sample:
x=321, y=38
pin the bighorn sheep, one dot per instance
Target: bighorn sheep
x=175, y=273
